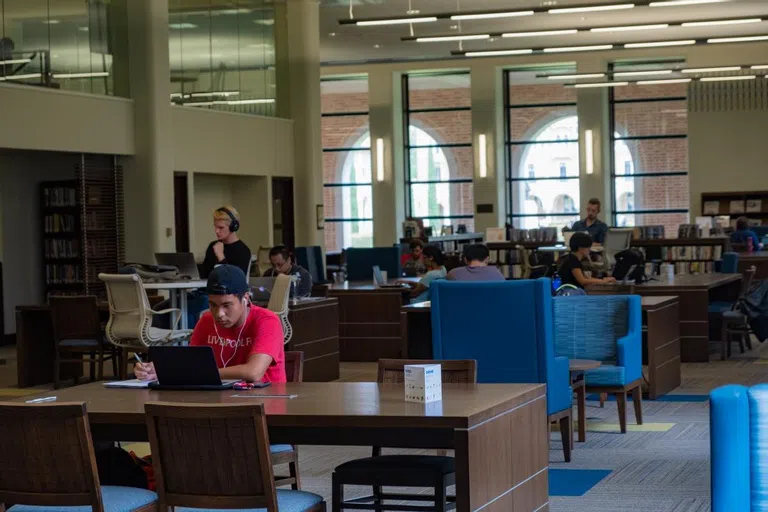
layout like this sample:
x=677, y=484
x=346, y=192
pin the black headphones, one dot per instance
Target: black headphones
x=234, y=224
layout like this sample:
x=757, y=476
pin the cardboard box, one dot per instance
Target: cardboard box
x=423, y=383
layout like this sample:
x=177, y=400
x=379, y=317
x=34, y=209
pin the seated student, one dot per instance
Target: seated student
x=743, y=234
x=570, y=268
x=476, y=258
x=282, y=263
x=415, y=258
x=227, y=248
x=247, y=340
x=433, y=259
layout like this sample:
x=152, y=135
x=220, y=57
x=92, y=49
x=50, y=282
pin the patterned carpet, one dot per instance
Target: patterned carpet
x=662, y=466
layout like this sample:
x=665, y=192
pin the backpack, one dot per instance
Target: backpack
x=119, y=468
x=569, y=290
x=624, y=262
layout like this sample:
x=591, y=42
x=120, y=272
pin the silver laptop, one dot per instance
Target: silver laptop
x=380, y=282
x=184, y=261
x=261, y=288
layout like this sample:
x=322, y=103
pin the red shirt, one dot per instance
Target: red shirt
x=262, y=333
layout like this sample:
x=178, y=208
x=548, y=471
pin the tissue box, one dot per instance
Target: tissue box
x=423, y=383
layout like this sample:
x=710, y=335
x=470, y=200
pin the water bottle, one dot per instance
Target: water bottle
x=557, y=282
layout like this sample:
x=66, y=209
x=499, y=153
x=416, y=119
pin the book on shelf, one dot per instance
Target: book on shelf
x=754, y=206
x=59, y=196
x=58, y=223
x=723, y=221
x=688, y=231
x=736, y=206
x=495, y=234
x=711, y=208
x=55, y=248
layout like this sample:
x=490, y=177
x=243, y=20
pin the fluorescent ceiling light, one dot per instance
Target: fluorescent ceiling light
x=630, y=27
x=483, y=154
x=181, y=26
x=711, y=70
x=658, y=44
x=760, y=66
x=198, y=104
x=493, y=53
x=600, y=84
x=727, y=78
x=379, y=160
x=589, y=151
x=20, y=77
x=14, y=61
x=721, y=22
x=490, y=15
x=593, y=8
x=541, y=33
x=668, y=81
x=396, y=21
x=673, y=3
x=579, y=48
x=97, y=74
x=247, y=102
x=737, y=39
x=176, y=95
x=213, y=93
x=51, y=22
x=437, y=39
x=575, y=77
x=644, y=73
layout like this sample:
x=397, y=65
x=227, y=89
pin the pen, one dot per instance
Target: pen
x=41, y=400
x=138, y=359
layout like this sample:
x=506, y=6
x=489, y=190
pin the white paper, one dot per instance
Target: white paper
x=737, y=207
x=711, y=207
x=423, y=383
x=133, y=383
x=754, y=206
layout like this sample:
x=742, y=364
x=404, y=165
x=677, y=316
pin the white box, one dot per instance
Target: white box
x=423, y=383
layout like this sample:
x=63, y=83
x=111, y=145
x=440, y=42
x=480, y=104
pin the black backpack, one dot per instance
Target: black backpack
x=624, y=262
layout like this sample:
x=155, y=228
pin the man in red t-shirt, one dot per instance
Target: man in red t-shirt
x=247, y=340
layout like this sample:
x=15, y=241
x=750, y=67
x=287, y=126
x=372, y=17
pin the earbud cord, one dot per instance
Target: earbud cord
x=237, y=343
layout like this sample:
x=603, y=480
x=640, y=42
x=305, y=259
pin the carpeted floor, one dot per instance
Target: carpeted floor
x=662, y=466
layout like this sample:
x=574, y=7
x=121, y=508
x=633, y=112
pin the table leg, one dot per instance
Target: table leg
x=501, y=463
x=581, y=405
x=174, y=305
x=184, y=308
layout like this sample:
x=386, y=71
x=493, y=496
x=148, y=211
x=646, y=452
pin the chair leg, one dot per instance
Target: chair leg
x=293, y=470
x=724, y=344
x=100, y=368
x=637, y=401
x=92, y=365
x=621, y=402
x=124, y=364
x=566, y=434
x=581, y=405
x=441, y=504
x=748, y=338
x=57, y=370
x=337, y=494
x=603, y=398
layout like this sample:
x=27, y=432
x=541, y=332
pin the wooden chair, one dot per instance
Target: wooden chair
x=287, y=453
x=430, y=471
x=735, y=322
x=217, y=457
x=47, y=460
x=78, y=336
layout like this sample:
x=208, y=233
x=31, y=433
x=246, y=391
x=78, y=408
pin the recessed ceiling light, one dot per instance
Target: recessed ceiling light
x=630, y=27
x=51, y=22
x=745, y=39
x=494, y=53
x=411, y=12
x=332, y=34
x=454, y=27
x=727, y=78
x=231, y=11
x=377, y=46
x=576, y=77
x=396, y=21
x=659, y=44
x=182, y=26
x=267, y=21
x=600, y=84
x=83, y=29
x=667, y=81
x=437, y=39
x=673, y=3
x=720, y=22
x=491, y=15
x=644, y=73
x=540, y=33
x=579, y=48
x=593, y=8
x=711, y=70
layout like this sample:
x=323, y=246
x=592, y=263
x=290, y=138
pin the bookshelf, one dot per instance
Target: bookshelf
x=752, y=205
x=82, y=230
x=688, y=255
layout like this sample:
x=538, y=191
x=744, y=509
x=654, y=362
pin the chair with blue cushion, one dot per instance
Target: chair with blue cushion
x=360, y=262
x=288, y=453
x=738, y=436
x=47, y=463
x=507, y=327
x=217, y=457
x=605, y=328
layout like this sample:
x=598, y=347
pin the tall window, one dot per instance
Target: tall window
x=347, y=193
x=542, y=151
x=438, y=146
x=650, y=155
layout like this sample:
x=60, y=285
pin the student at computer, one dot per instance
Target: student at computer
x=591, y=224
x=433, y=259
x=282, y=263
x=227, y=248
x=247, y=340
x=476, y=267
x=743, y=235
x=414, y=259
x=570, y=266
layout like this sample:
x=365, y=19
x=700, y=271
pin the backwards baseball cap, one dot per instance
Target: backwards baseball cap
x=226, y=280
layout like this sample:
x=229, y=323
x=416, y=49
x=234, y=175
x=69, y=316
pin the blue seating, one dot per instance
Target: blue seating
x=360, y=262
x=115, y=499
x=738, y=438
x=605, y=328
x=311, y=258
x=507, y=326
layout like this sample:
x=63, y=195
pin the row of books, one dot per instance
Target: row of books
x=690, y=252
x=59, y=196
x=58, y=223
x=735, y=207
x=648, y=232
x=533, y=235
x=699, y=267
x=63, y=274
x=62, y=248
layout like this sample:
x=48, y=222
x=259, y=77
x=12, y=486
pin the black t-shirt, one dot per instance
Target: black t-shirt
x=236, y=253
x=565, y=268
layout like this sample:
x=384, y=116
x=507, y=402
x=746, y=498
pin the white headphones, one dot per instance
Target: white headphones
x=237, y=342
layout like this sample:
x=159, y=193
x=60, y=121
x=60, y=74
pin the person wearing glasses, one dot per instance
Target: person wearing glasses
x=282, y=263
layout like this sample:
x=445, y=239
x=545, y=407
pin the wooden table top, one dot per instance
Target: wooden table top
x=761, y=255
x=329, y=404
x=655, y=301
x=702, y=281
x=581, y=365
x=368, y=286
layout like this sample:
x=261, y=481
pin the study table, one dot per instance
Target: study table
x=498, y=431
x=758, y=259
x=661, y=339
x=178, y=295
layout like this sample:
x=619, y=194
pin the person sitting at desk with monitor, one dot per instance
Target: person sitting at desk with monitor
x=282, y=263
x=592, y=225
x=414, y=259
x=227, y=248
x=743, y=234
x=433, y=258
x=247, y=340
x=570, y=268
x=476, y=267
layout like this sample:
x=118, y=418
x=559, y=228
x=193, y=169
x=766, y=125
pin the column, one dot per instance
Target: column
x=594, y=114
x=386, y=123
x=297, y=42
x=488, y=121
x=149, y=211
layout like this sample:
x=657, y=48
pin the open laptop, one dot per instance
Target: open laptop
x=184, y=261
x=380, y=282
x=186, y=368
x=261, y=288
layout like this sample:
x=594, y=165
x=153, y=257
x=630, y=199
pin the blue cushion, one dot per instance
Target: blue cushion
x=758, y=445
x=287, y=501
x=280, y=448
x=606, y=375
x=116, y=499
x=719, y=306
